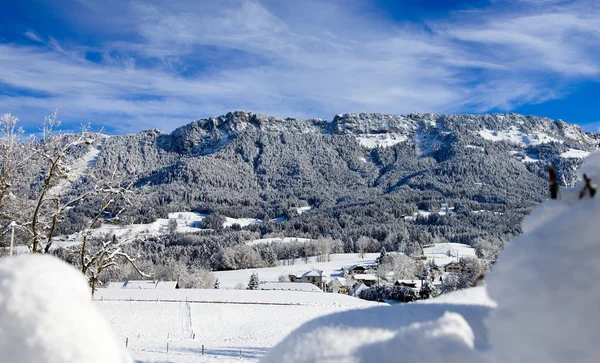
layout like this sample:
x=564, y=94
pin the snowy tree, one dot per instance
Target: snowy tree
x=39, y=211
x=427, y=290
x=172, y=225
x=253, y=283
x=404, y=267
x=361, y=246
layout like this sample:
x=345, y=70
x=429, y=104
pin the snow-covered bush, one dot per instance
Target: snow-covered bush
x=47, y=316
x=387, y=292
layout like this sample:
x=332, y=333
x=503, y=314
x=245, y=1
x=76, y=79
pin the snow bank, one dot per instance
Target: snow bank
x=542, y=304
x=554, y=305
x=46, y=315
x=423, y=331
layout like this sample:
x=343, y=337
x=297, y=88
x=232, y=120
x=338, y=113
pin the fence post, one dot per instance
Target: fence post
x=202, y=349
x=168, y=335
x=126, y=342
x=240, y=354
x=167, y=347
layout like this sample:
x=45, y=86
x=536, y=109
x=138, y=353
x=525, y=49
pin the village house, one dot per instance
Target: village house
x=454, y=267
x=413, y=284
x=337, y=285
x=360, y=268
x=313, y=276
x=366, y=279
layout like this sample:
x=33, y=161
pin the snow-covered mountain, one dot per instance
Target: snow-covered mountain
x=363, y=174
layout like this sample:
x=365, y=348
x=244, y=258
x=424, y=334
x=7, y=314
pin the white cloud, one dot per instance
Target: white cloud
x=33, y=36
x=308, y=60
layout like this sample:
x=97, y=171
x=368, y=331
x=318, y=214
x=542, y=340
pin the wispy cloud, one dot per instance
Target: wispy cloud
x=188, y=59
x=33, y=36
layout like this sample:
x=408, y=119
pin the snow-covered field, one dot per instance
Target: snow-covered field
x=230, y=279
x=185, y=222
x=225, y=322
x=444, y=253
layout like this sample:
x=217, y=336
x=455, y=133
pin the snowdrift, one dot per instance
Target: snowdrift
x=46, y=315
x=540, y=304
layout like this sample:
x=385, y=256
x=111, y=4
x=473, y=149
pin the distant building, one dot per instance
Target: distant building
x=338, y=285
x=144, y=284
x=366, y=279
x=454, y=267
x=413, y=284
x=313, y=276
x=357, y=289
x=360, y=268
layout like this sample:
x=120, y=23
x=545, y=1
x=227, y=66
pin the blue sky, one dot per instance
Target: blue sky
x=133, y=65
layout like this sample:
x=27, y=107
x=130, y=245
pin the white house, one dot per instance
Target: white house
x=313, y=276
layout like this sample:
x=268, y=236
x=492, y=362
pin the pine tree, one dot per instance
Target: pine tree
x=253, y=283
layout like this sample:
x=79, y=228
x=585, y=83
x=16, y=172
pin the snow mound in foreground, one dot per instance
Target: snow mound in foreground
x=543, y=305
x=46, y=315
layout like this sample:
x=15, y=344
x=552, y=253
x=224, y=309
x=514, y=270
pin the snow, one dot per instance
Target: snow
x=331, y=269
x=277, y=240
x=475, y=147
x=146, y=284
x=444, y=253
x=371, y=141
x=224, y=321
x=289, y=286
x=46, y=315
x=560, y=247
x=243, y=222
x=229, y=296
x=427, y=331
x=514, y=135
x=364, y=277
x=540, y=304
x=426, y=143
x=575, y=154
x=303, y=209
x=186, y=222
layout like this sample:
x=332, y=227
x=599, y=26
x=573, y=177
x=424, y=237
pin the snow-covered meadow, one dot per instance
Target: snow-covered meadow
x=226, y=322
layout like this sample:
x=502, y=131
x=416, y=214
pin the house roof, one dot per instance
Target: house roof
x=143, y=284
x=416, y=283
x=166, y=285
x=314, y=273
x=361, y=266
x=140, y=284
x=358, y=288
x=310, y=273
x=115, y=285
x=289, y=286
x=340, y=280
x=365, y=277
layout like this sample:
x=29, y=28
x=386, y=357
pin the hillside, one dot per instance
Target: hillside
x=402, y=181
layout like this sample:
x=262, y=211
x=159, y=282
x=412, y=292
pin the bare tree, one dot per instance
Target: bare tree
x=39, y=216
